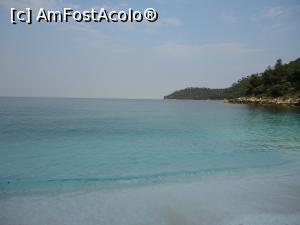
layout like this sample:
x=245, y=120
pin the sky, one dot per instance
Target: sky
x=194, y=43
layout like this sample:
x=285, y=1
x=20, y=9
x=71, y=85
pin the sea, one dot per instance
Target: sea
x=141, y=162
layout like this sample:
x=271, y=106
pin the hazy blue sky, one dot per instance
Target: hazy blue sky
x=193, y=43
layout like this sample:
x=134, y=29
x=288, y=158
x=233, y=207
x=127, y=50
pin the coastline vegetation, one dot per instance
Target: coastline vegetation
x=281, y=80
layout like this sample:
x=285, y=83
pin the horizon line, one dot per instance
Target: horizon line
x=67, y=97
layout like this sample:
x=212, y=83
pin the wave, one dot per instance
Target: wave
x=8, y=185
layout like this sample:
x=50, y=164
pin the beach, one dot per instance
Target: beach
x=270, y=198
x=157, y=112
x=102, y=161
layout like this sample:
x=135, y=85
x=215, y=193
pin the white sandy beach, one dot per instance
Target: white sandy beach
x=269, y=199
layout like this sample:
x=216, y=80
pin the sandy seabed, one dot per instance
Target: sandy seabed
x=267, y=199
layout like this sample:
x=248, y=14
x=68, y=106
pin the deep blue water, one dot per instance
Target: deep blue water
x=48, y=142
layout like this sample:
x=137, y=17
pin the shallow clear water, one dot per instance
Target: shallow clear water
x=61, y=143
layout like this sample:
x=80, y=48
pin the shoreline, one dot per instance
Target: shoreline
x=49, y=188
x=280, y=101
x=232, y=199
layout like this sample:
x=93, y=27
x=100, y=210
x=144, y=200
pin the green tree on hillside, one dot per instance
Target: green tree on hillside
x=279, y=80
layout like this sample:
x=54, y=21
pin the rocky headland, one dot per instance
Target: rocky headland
x=288, y=101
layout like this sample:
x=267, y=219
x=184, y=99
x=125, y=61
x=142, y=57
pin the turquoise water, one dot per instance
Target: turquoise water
x=61, y=143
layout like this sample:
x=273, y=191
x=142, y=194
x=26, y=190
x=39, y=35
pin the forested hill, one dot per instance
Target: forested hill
x=278, y=81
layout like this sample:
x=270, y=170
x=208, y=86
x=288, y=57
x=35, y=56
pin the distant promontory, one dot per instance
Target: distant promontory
x=279, y=84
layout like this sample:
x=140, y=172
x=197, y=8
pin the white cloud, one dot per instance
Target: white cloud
x=230, y=19
x=275, y=11
x=279, y=11
x=275, y=28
